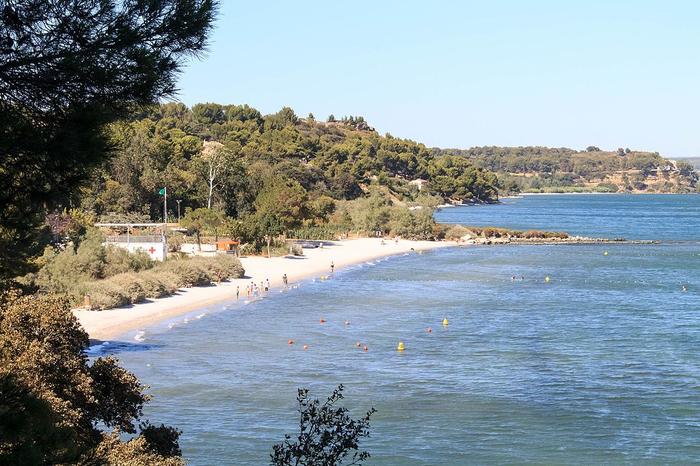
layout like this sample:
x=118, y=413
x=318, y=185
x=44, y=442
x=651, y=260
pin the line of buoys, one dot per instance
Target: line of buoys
x=401, y=345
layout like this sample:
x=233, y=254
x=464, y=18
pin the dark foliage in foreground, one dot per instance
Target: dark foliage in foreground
x=327, y=434
x=52, y=398
x=67, y=68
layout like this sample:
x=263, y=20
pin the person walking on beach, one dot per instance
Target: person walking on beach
x=332, y=267
x=284, y=280
x=238, y=292
x=267, y=284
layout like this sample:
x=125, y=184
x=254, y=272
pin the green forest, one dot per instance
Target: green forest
x=545, y=169
x=245, y=165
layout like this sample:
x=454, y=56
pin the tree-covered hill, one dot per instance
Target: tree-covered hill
x=231, y=157
x=544, y=169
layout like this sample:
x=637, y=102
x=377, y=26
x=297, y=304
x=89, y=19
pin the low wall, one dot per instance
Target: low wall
x=193, y=249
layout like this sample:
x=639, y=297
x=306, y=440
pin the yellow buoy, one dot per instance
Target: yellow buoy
x=605, y=253
x=445, y=322
x=401, y=346
x=546, y=279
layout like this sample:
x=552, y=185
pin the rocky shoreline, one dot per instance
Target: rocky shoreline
x=549, y=241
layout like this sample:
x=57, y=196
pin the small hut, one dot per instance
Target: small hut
x=228, y=246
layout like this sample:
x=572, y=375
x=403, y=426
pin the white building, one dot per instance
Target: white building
x=155, y=245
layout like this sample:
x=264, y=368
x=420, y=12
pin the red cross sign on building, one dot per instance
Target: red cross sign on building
x=152, y=250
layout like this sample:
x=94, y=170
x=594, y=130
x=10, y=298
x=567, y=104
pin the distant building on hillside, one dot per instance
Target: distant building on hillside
x=155, y=243
x=419, y=183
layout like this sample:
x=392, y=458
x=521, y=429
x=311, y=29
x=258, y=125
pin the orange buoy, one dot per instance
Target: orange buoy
x=306, y=347
x=290, y=342
x=358, y=344
x=365, y=348
x=323, y=321
x=429, y=330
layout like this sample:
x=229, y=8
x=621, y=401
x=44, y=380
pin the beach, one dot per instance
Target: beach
x=111, y=323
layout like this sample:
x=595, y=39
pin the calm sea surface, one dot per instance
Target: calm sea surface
x=600, y=365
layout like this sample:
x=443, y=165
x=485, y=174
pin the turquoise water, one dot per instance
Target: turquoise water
x=601, y=365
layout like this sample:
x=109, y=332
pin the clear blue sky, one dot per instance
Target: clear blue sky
x=461, y=74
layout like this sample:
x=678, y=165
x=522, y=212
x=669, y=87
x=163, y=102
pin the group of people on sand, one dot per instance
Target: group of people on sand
x=253, y=290
x=396, y=241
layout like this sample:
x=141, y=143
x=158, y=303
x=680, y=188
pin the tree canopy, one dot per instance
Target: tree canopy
x=53, y=400
x=67, y=68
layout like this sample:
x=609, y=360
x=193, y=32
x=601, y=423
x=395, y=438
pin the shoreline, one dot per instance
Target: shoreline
x=587, y=193
x=112, y=323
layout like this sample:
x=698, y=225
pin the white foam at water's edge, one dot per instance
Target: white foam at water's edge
x=140, y=335
x=99, y=348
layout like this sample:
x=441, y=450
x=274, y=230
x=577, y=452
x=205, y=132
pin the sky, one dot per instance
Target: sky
x=467, y=73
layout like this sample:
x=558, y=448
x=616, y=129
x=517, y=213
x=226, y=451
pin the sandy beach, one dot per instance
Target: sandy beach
x=110, y=324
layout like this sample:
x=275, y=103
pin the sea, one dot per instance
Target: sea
x=598, y=365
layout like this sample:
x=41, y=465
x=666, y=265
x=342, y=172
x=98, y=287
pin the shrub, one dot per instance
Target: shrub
x=455, y=232
x=130, y=285
x=220, y=267
x=532, y=234
x=189, y=272
x=493, y=232
x=607, y=188
x=158, y=284
x=105, y=295
x=119, y=260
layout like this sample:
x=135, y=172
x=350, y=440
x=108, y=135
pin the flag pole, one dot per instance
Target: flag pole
x=165, y=208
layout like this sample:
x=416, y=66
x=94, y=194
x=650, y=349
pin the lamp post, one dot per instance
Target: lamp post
x=178, y=209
